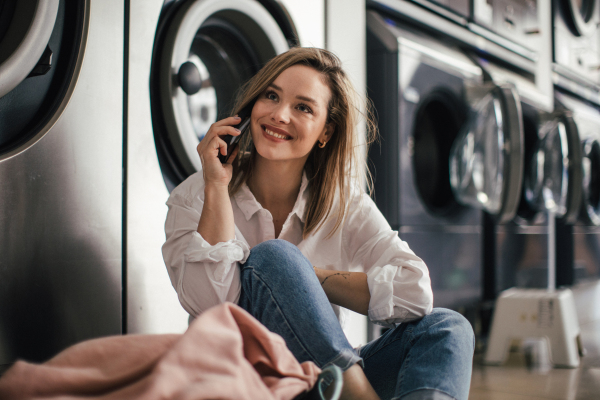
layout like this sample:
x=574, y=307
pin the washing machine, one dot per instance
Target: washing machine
x=61, y=148
x=451, y=146
x=223, y=43
x=576, y=27
x=516, y=252
x=580, y=256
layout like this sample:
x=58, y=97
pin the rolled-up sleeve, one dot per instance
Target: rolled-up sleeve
x=398, y=280
x=202, y=274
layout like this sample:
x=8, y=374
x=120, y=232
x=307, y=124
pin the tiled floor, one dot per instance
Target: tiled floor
x=514, y=381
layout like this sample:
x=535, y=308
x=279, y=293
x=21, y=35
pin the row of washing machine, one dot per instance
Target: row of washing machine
x=476, y=152
x=102, y=105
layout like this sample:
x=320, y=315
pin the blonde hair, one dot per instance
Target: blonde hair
x=330, y=169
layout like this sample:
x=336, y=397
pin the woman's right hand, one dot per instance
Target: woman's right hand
x=215, y=173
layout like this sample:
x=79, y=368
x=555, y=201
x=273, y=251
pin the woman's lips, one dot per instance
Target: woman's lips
x=274, y=133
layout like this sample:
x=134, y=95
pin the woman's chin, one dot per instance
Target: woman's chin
x=271, y=156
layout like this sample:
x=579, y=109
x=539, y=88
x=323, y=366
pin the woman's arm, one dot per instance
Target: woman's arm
x=203, y=275
x=346, y=289
x=398, y=280
x=216, y=221
x=201, y=251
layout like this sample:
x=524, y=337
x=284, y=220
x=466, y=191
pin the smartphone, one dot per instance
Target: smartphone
x=232, y=141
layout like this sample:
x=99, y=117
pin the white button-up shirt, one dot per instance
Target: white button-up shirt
x=205, y=275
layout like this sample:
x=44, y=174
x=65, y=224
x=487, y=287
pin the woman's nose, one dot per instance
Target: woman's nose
x=281, y=114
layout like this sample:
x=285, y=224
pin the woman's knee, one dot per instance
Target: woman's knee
x=451, y=324
x=276, y=254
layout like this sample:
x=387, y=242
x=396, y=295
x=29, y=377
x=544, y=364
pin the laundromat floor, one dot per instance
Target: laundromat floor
x=515, y=381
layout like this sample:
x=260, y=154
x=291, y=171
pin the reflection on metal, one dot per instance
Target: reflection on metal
x=486, y=161
x=477, y=159
x=60, y=207
x=547, y=180
x=202, y=105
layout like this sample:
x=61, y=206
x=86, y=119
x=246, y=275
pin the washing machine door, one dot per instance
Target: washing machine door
x=486, y=161
x=25, y=29
x=591, y=181
x=42, y=45
x=553, y=180
x=578, y=15
x=210, y=48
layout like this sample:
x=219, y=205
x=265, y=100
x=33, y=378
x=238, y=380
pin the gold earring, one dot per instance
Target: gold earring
x=322, y=144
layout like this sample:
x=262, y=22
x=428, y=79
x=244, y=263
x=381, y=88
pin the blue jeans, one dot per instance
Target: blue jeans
x=429, y=358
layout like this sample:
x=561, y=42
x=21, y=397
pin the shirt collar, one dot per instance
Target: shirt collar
x=300, y=205
x=250, y=206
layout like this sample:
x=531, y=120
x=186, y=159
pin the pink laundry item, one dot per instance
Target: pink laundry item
x=225, y=354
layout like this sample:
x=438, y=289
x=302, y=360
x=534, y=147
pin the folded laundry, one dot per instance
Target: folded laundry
x=224, y=354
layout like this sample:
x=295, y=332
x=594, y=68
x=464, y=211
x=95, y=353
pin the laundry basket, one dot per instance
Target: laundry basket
x=332, y=374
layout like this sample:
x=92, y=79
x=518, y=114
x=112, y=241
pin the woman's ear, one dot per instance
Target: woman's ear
x=327, y=132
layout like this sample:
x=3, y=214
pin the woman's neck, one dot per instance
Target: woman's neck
x=276, y=184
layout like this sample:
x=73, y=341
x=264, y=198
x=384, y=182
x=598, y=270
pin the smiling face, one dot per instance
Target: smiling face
x=290, y=116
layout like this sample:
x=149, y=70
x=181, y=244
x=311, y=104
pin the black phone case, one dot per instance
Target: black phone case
x=232, y=141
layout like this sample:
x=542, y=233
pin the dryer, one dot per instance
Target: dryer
x=576, y=27
x=432, y=101
x=580, y=254
x=61, y=86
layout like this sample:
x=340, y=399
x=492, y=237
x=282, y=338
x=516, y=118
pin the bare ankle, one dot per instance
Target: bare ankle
x=356, y=385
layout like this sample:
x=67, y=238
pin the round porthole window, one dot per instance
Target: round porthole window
x=547, y=179
x=486, y=160
x=25, y=29
x=42, y=44
x=579, y=15
x=437, y=124
x=210, y=48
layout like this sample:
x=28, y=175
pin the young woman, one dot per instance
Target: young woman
x=283, y=230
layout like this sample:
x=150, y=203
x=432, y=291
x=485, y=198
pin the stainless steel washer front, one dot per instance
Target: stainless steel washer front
x=61, y=148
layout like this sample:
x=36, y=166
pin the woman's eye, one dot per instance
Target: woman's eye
x=304, y=108
x=271, y=95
